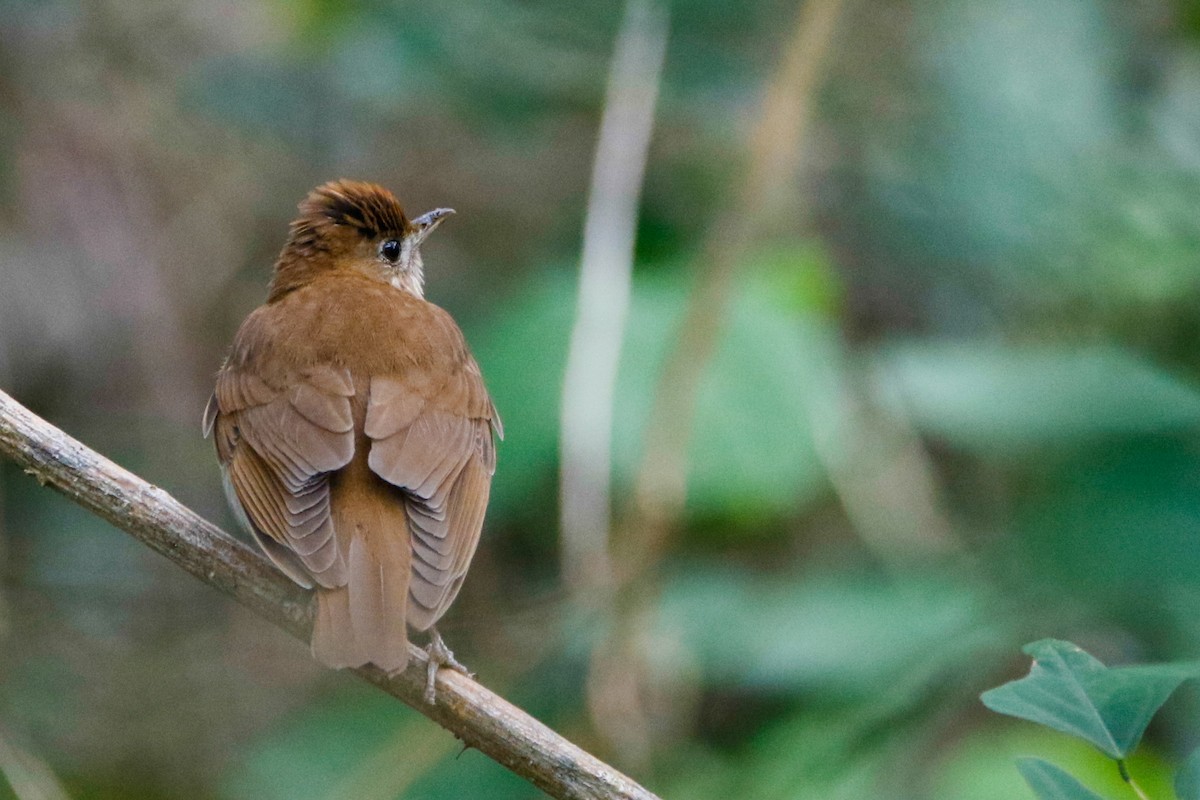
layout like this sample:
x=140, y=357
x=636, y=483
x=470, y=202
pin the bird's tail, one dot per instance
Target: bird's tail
x=363, y=622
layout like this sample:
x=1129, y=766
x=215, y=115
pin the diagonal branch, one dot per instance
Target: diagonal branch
x=653, y=511
x=776, y=141
x=475, y=715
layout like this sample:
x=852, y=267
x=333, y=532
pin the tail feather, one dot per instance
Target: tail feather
x=364, y=621
x=333, y=641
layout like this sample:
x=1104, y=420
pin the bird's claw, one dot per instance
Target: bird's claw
x=439, y=656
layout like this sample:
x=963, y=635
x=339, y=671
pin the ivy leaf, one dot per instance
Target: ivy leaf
x=1070, y=691
x=1187, y=780
x=1053, y=783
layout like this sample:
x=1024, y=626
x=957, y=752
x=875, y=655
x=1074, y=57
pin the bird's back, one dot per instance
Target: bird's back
x=356, y=434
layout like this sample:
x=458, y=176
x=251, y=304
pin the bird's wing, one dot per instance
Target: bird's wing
x=431, y=434
x=278, y=439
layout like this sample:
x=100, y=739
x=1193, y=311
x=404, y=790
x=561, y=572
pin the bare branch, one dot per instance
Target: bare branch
x=475, y=715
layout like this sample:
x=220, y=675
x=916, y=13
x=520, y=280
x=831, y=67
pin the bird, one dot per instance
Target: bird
x=355, y=436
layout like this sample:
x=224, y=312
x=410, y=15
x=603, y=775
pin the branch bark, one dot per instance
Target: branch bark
x=471, y=712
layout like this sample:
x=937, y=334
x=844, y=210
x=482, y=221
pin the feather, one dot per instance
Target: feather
x=370, y=612
x=392, y=407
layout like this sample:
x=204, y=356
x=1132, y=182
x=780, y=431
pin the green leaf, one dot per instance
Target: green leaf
x=753, y=451
x=770, y=360
x=1070, y=691
x=332, y=748
x=991, y=398
x=831, y=633
x=1052, y=783
x=1187, y=780
x=980, y=766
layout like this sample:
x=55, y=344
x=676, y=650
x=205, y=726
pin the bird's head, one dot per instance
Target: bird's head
x=348, y=225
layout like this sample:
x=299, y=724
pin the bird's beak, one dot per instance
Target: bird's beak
x=427, y=222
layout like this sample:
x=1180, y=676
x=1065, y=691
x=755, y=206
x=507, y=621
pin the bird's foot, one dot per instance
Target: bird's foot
x=439, y=656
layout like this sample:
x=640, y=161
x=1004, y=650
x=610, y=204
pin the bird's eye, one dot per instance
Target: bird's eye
x=390, y=250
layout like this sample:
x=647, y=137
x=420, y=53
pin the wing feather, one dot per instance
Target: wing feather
x=282, y=443
x=439, y=448
x=436, y=581
x=392, y=407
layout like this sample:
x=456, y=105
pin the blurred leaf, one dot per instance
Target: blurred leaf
x=317, y=20
x=753, y=450
x=360, y=743
x=1052, y=783
x=306, y=756
x=801, y=277
x=752, y=447
x=1116, y=252
x=523, y=352
x=1187, y=780
x=288, y=100
x=979, y=766
x=989, y=397
x=1069, y=690
x=1013, y=92
x=1116, y=522
x=811, y=754
x=838, y=634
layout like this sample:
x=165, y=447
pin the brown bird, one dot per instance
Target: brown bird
x=354, y=430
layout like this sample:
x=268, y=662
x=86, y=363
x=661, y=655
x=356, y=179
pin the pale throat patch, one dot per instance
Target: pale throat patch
x=414, y=268
x=408, y=272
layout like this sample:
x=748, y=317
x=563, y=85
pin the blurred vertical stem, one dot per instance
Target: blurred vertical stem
x=27, y=775
x=776, y=142
x=605, y=276
x=879, y=469
x=620, y=685
x=4, y=577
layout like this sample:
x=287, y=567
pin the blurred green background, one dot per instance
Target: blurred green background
x=954, y=406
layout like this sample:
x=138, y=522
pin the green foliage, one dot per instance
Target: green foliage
x=993, y=398
x=1187, y=780
x=360, y=743
x=1052, y=783
x=755, y=453
x=842, y=635
x=1137, y=546
x=1070, y=691
x=805, y=755
x=981, y=767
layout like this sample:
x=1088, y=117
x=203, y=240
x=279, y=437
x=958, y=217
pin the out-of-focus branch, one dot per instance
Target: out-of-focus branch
x=28, y=776
x=619, y=682
x=475, y=715
x=605, y=280
x=880, y=471
x=4, y=618
x=388, y=771
x=776, y=141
